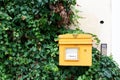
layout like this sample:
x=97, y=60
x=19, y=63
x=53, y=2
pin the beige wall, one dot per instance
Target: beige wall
x=93, y=12
x=116, y=30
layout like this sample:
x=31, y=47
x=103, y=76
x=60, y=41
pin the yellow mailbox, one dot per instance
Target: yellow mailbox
x=75, y=50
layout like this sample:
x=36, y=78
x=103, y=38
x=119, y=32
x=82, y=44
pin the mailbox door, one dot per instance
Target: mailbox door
x=75, y=55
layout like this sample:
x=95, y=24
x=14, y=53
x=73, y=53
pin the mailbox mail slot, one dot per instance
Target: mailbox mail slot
x=75, y=50
x=71, y=54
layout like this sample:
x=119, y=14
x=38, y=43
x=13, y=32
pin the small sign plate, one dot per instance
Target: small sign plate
x=71, y=54
x=104, y=49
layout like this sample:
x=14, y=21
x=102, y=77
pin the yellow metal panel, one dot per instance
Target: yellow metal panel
x=78, y=40
x=86, y=36
x=75, y=41
x=84, y=56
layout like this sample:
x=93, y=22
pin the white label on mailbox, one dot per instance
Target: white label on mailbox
x=71, y=54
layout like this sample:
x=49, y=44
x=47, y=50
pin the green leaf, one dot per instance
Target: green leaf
x=107, y=74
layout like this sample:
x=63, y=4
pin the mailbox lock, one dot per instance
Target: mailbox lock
x=85, y=50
